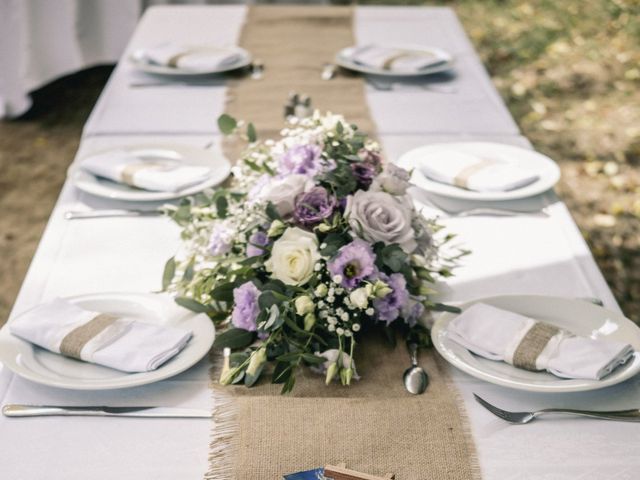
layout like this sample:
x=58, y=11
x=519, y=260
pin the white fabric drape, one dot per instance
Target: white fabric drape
x=41, y=40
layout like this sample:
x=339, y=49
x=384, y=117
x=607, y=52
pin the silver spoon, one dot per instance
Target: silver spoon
x=415, y=378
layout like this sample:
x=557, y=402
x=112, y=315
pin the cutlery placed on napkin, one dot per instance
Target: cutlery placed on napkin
x=163, y=175
x=395, y=59
x=186, y=57
x=533, y=345
x=468, y=171
x=116, y=342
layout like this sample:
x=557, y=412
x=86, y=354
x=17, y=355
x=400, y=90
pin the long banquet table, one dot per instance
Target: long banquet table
x=511, y=255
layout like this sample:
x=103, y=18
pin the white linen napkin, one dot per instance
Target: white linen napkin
x=474, y=173
x=497, y=334
x=394, y=59
x=162, y=175
x=122, y=343
x=188, y=58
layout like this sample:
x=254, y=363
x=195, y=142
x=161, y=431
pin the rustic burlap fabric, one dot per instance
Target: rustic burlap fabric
x=374, y=425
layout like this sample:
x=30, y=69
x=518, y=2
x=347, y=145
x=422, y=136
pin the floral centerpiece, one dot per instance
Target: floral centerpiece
x=312, y=241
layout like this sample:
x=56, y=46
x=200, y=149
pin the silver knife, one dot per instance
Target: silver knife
x=17, y=410
x=73, y=215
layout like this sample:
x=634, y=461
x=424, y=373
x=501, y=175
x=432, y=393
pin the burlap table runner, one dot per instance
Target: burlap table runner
x=374, y=426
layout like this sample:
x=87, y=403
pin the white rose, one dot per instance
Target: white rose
x=293, y=256
x=393, y=180
x=283, y=192
x=381, y=217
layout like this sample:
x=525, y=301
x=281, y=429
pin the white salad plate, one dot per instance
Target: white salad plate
x=547, y=170
x=179, y=154
x=575, y=315
x=344, y=58
x=244, y=59
x=48, y=368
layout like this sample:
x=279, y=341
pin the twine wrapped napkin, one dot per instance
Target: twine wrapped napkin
x=525, y=343
x=199, y=59
x=116, y=342
x=473, y=173
x=395, y=59
x=162, y=175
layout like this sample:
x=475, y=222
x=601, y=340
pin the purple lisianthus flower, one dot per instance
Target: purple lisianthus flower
x=220, y=240
x=388, y=308
x=412, y=311
x=245, y=307
x=365, y=171
x=301, y=159
x=354, y=262
x=256, y=240
x=313, y=207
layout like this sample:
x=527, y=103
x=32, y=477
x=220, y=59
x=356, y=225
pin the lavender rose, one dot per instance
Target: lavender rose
x=393, y=180
x=381, y=217
x=245, y=309
x=388, y=308
x=283, y=192
x=354, y=262
x=313, y=207
x=301, y=159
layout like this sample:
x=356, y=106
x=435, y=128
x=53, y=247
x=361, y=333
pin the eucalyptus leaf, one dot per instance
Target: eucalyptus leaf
x=224, y=292
x=169, y=272
x=251, y=133
x=281, y=372
x=234, y=338
x=191, y=304
x=227, y=124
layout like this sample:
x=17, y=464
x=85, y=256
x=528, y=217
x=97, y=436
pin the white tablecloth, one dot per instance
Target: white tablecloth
x=540, y=255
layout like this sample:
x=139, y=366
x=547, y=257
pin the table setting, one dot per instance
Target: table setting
x=341, y=261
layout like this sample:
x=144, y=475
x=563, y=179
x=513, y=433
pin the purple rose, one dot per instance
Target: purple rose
x=256, y=240
x=302, y=159
x=245, y=307
x=354, y=262
x=313, y=207
x=388, y=307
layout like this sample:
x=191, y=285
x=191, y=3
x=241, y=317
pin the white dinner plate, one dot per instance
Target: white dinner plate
x=578, y=316
x=343, y=59
x=144, y=66
x=41, y=366
x=546, y=169
x=102, y=187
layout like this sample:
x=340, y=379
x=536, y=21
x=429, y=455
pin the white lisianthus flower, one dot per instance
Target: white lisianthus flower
x=282, y=193
x=304, y=305
x=381, y=217
x=293, y=256
x=360, y=297
x=333, y=357
x=393, y=180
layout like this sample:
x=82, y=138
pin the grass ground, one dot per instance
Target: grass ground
x=568, y=71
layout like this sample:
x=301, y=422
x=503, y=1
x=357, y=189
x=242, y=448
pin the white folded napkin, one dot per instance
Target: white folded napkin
x=394, y=59
x=474, y=173
x=498, y=334
x=188, y=58
x=161, y=175
x=116, y=342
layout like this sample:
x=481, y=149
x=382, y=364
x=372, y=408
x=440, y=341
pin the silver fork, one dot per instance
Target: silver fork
x=520, y=418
